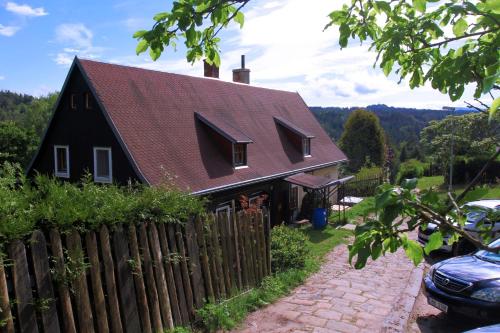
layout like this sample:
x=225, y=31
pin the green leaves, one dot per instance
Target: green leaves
x=494, y=107
x=460, y=27
x=196, y=22
x=434, y=243
x=413, y=250
x=420, y=5
x=142, y=46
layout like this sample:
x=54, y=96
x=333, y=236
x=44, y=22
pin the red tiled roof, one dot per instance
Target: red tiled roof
x=223, y=128
x=154, y=114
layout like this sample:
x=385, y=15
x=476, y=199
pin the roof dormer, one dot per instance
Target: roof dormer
x=232, y=136
x=298, y=137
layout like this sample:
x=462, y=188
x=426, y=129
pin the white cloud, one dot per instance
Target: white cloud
x=2, y=77
x=78, y=40
x=25, y=10
x=287, y=49
x=76, y=34
x=8, y=31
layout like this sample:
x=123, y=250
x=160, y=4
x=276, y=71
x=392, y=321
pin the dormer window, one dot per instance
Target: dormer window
x=306, y=147
x=88, y=101
x=298, y=137
x=230, y=140
x=72, y=101
x=239, y=155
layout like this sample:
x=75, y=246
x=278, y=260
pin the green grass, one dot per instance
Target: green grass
x=426, y=183
x=353, y=214
x=480, y=192
x=227, y=315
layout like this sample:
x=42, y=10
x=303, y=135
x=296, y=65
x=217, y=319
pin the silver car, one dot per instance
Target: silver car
x=477, y=212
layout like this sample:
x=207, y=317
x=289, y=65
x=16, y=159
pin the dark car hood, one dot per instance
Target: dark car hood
x=470, y=268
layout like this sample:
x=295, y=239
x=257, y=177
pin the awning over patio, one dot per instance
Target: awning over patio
x=315, y=182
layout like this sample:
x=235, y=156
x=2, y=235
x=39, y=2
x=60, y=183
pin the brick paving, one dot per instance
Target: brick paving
x=339, y=298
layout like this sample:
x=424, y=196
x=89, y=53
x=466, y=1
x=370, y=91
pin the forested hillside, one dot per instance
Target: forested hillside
x=400, y=124
x=23, y=119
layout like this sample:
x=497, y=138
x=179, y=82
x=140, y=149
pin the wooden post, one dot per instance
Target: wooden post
x=142, y=299
x=236, y=247
x=267, y=233
x=43, y=278
x=95, y=275
x=174, y=253
x=169, y=274
x=205, y=264
x=154, y=304
x=5, y=314
x=165, y=309
x=64, y=296
x=109, y=277
x=207, y=227
x=217, y=253
x=184, y=270
x=194, y=264
x=85, y=319
x=221, y=219
x=26, y=316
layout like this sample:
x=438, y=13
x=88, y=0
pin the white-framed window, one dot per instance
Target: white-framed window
x=226, y=209
x=103, y=165
x=88, y=101
x=61, y=161
x=239, y=155
x=72, y=101
x=253, y=201
x=306, y=147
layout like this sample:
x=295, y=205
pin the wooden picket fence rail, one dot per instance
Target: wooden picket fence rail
x=145, y=277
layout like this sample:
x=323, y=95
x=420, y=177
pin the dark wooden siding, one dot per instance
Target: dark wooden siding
x=81, y=130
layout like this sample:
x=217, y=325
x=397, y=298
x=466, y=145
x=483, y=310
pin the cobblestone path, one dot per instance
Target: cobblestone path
x=339, y=298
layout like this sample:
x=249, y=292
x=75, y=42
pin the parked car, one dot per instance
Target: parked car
x=468, y=285
x=477, y=212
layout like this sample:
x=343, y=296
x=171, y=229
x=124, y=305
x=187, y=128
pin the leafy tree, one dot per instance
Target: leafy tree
x=473, y=136
x=403, y=156
x=450, y=44
x=363, y=139
x=16, y=143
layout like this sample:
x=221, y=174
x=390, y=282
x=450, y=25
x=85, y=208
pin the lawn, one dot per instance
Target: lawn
x=320, y=242
x=353, y=214
x=480, y=192
x=426, y=183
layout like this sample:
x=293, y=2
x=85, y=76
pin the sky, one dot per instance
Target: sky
x=283, y=41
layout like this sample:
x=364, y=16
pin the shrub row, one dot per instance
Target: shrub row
x=412, y=169
x=465, y=169
x=44, y=201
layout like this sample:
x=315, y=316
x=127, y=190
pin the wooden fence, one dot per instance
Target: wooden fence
x=130, y=278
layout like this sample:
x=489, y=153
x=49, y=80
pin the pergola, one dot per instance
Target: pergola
x=322, y=188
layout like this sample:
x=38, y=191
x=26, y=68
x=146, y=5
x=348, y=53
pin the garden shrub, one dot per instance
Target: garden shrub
x=288, y=248
x=411, y=169
x=465, y=169
x=46, y=201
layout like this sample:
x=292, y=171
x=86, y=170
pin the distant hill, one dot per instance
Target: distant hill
x=400, y=124
x=13, y=105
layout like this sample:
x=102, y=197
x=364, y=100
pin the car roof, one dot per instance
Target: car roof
x=491, y=203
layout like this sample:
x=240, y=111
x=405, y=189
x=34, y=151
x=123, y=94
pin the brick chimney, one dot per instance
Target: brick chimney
x=241, y=75
x=210, y=70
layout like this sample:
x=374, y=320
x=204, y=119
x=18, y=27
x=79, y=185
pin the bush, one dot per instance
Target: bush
x=288, y=248
x=411, y=169
x=465, y=169
x=26, y=205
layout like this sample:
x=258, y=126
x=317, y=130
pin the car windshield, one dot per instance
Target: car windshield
x=490, y=256
x=474, y=213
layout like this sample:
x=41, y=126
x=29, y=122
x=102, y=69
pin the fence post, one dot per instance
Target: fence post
x=5, y=314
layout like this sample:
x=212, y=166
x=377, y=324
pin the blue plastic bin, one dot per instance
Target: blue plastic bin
x=319, y=218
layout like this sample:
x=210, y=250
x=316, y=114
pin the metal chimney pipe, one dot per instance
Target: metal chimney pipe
x=242, y=61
